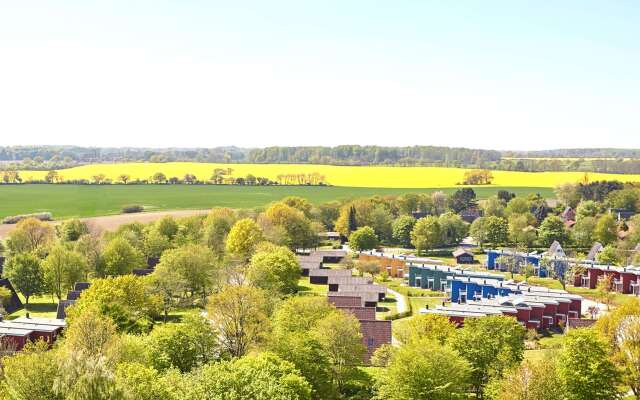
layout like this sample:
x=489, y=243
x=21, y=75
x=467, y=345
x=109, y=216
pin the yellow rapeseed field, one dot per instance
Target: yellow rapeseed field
x=374, y=176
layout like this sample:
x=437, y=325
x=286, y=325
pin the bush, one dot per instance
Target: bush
x=133, y=208
x=45, y=216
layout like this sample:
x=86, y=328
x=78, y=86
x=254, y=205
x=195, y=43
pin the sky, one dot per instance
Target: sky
x=507, y=75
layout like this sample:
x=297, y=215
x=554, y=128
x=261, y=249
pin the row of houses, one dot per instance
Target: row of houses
x=535, y=307
x=356, y=295
x=624, y=280
x=15, y=334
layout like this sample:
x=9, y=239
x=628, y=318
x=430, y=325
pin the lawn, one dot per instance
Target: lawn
x=352, y=176
x=41, y=306
x=66, y=201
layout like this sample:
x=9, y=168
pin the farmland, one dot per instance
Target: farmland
x=91, y=200
x=347, y=176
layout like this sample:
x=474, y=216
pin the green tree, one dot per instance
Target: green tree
x=491, y=345
x=585, y=368
x=493, y=207
x=197, y=265
x=453, y=228
x=72, y=230
x=621, y=328
x=167, y=283
x=434, y=327
x=521, y=233
x=401, y=228
x=243, y=238
x=239, y=315
x=30, y=374
x=120, y=258
x=26, y=274
x=606, y=230
x=62, y=269
x=339, y=336
x=275, y=269
x=298, y=232
x=586, y=209
x=608, y=256
x=155, y=243
x=552, y=229
x=30, y=235
x=497, y=230
x=425, y=370
x=426, y=234
x=140, y=382
x=184, y=346
x=582, y=231
x=518, y=206
x=216, y=228
x=532, y=380
x=462, y=199
x=92, y=333
x=479, y=230
x=363, y=239
x=125, y=299
x=262, y=377
x=167, y=226
x=290, y=340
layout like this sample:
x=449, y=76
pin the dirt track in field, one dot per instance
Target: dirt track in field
x=112, y=222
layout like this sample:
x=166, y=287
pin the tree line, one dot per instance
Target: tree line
x=587, y=160
x=220, y=176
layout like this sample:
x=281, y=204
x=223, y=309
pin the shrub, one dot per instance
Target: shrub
x=45, y=216
x=133, y=208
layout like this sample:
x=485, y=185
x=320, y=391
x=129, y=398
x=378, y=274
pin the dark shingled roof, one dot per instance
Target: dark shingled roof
x=14, y=302
x=73, y=295
x=80, y=286
x=142, y=271
x=62, y=308
x=460, y=252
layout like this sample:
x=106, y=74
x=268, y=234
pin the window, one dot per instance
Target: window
x=370, y=342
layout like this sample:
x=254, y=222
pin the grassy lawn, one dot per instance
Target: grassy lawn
x=547, y=346
x=66, y=201
x=418, y=303
x=387, y=307
x=306, y=287
x=42, y=306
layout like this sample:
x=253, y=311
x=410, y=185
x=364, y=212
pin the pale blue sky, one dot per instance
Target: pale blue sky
x=489, y=74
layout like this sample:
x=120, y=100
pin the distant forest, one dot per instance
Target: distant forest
x=595, y=160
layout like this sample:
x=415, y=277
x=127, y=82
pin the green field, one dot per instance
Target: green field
x=91, y=200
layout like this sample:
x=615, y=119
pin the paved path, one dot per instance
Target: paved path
x=401, y=301
x=112, y=222
x=587, y=303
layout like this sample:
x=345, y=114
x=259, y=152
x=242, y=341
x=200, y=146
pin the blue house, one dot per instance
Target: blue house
x=464, y=289
x=522, y=259
x=435, y=277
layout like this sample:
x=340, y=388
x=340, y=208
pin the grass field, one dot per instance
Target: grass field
x=89, y=200
x=351, y=176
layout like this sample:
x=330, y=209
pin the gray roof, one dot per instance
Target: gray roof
x=365, y=296
x=459, y=252
x=330, y=272
x=362, y=288
x=595, y=249
x=349, y=280
x=41, y=321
